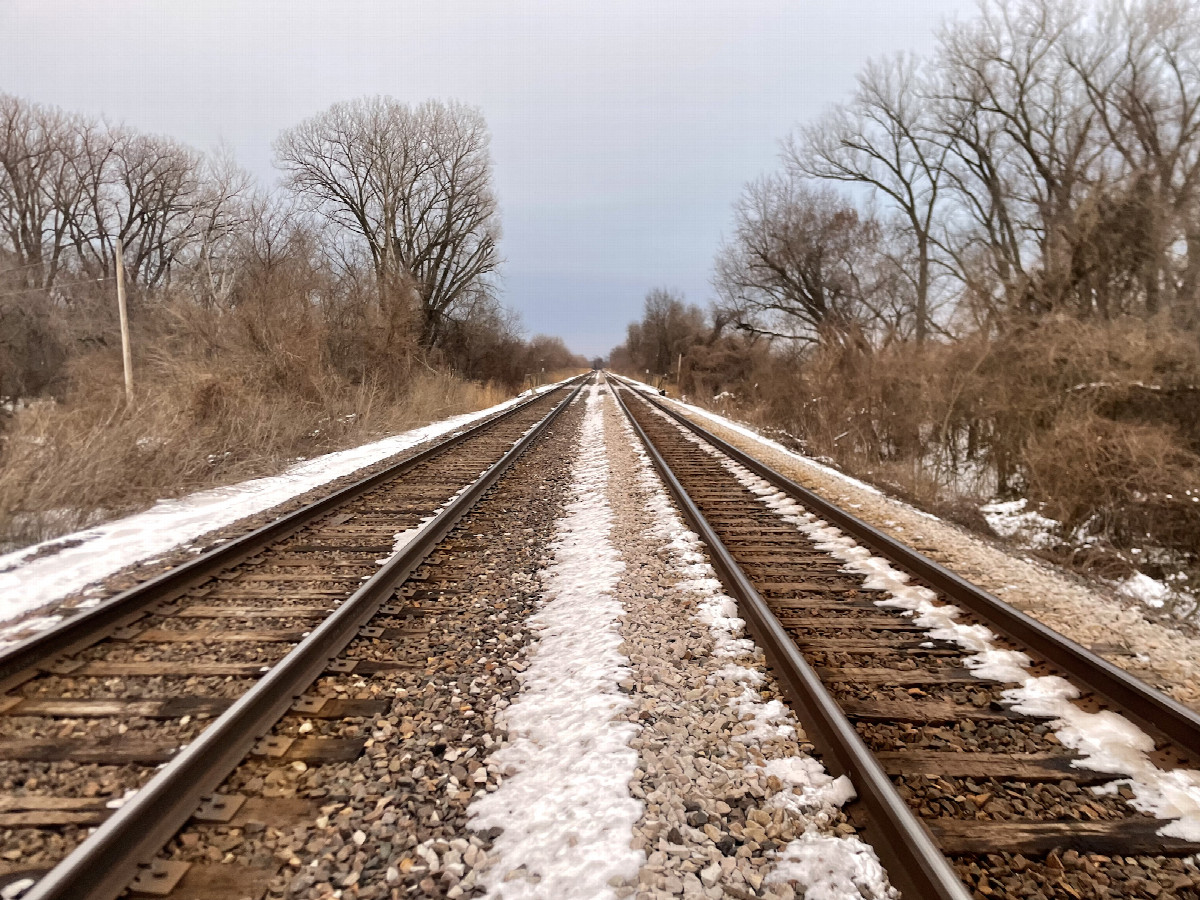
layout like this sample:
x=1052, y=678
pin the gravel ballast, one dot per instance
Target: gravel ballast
x=736, y=805
x=1117, y=630
x=722, y=797
x=393, y=822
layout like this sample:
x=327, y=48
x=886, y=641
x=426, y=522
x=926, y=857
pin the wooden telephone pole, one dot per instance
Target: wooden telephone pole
x=126, y=355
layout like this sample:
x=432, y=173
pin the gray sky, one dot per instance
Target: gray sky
x=622, y=131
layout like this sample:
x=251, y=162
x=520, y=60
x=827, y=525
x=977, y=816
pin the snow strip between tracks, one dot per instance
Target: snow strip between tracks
x=1106, y=741
x=564, y=803
x=27, y=583
x=827, y=866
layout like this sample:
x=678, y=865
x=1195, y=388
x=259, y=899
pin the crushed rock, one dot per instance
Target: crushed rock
x=1155, y=652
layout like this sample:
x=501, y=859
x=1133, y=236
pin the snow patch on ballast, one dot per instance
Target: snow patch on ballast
x=827, y=866
x=564, y=800
x=1106, y=741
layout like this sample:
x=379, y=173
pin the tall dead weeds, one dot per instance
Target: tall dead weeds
x=1096, y=422
x=221, y=397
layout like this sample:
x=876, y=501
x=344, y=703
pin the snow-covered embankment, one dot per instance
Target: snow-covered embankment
x=34, y=577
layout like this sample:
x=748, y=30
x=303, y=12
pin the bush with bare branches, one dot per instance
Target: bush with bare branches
x=261, y=330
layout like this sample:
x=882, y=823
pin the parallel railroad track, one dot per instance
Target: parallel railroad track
x=269, y=662
x=125, y=718
x=960, y=795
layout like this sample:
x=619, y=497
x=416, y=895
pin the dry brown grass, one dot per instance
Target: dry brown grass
x=200, y=419
x=1119, y=480
x=1099, y=422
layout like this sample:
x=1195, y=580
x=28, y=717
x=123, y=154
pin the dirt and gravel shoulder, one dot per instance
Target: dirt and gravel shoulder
x=1156, y=652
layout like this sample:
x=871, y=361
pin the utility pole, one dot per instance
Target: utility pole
x=126, y=355
x=679, y=375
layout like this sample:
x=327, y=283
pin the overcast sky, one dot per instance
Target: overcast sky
x=621, y=131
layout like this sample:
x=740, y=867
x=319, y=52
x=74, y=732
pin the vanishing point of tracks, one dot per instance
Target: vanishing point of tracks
x=126, y=717
x=960, y=795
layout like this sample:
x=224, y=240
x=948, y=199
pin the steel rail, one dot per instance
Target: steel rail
x=87, y=627
x=1150, y=709
x=102, y=866
x=914, y=863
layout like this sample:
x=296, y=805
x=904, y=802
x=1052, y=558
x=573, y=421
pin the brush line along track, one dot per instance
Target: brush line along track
x=255, y=622
x=959, y=794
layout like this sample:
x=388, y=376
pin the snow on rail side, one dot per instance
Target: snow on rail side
x=1012, y=520
x=827, y=866
x=29, y=581
x=564, y=802
x=1106, y=741
x=748, y=432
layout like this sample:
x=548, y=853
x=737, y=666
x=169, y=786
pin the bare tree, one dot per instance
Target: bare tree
x=415, y=185
x=39, y=191
x=796, y=264
x=1140, y=65
x=884, y=138
x=167, y=203
x=1023, y=137
x=402, y=254
x=668, y=328
x=224, y=211
x=543, y=351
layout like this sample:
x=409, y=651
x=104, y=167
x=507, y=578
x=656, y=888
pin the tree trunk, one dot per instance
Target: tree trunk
x=922, y=287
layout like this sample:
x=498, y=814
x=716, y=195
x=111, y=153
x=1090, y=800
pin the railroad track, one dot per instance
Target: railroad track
x=117, y=726
x=961, y=794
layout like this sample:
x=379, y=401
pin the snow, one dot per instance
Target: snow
x=1145, y=589
x=27, y=583
x=831, y=867
x=812, y=786
x=15, y=889
x=1106, y=741
x=118, y=802
x=564, y=802
x=1172, y=591
x=1010, y=519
